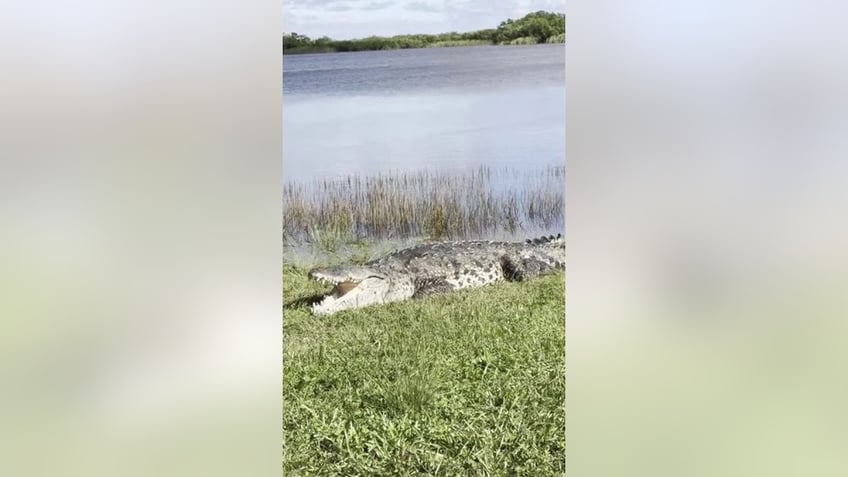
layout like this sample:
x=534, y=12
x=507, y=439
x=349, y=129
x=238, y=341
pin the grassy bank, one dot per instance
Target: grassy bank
x=468, y=383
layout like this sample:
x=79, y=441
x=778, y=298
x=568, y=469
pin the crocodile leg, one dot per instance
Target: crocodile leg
x=519, y=270
x=431, y=286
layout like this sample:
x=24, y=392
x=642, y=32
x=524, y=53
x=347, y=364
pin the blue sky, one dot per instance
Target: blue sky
x=346, y=19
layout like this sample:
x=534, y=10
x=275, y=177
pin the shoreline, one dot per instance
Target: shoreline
x=323, y=50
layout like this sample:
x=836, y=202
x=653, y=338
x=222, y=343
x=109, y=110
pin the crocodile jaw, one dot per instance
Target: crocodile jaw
x=341, y=298
x=349, y=294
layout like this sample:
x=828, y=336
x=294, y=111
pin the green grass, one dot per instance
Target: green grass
x=464, y=384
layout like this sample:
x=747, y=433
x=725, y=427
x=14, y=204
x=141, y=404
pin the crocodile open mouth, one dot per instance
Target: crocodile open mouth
x=340, y=296
x=342, y=288
x=338, y=291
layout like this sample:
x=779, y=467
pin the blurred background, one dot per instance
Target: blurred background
x=140, y=244
x=706, y=189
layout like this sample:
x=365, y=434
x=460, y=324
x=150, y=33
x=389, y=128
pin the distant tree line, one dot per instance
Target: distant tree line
x=536, y=27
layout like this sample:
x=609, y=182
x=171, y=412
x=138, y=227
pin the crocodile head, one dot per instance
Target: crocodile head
x=358, y=286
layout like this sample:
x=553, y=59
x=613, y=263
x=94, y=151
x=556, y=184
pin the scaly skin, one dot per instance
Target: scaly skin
x=436, y=268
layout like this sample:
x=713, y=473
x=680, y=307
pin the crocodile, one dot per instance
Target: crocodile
x=432, y=268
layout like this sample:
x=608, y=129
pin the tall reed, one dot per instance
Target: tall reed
x=437, y=205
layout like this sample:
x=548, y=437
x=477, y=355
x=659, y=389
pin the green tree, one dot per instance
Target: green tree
x=535, y=27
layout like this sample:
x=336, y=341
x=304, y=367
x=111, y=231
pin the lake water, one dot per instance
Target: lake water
x=446, y=109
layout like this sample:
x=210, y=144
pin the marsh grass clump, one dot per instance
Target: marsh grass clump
x=524, y=40
x=560, y=38
x=329, y=212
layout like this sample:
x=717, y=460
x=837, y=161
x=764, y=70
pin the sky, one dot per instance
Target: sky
x=347, y=19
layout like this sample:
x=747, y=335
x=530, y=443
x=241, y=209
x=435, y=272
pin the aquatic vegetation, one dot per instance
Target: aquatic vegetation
x=436, y=205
